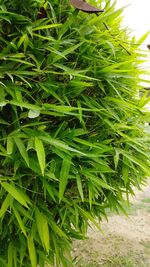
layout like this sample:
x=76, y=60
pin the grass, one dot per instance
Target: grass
x=146, y=244
x=117, y=261
x=130, y=259
x=123, y=261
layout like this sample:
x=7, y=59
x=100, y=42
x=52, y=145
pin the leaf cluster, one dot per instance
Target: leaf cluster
x=72, y=141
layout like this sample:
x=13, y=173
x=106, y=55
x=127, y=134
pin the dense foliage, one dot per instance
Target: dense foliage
x=71, y=126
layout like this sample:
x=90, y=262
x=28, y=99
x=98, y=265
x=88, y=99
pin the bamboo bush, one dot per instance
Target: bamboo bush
x=72, y=141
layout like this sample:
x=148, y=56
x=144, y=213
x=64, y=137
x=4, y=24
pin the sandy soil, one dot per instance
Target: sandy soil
x=123, y=236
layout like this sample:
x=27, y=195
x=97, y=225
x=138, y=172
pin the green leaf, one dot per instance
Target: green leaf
x=58, y=143
x=26, y=213
x=43, y=229
x=3, y=149
x=46, y=27
x=22, y=149
x=15, y=257
x=22, y=251
x=143, y=37
x=9, y=145
x=5, y=205
x=3, y=122
x=15, y=193
x=79, y=185
x=22, y=39
x=135, y=160
x=101, y=183
x=40, y=153
x=71, y=49
x=10, y=254
x=32, y=251
x=24, y=105
x=18, y=95
x=58, y=230
x=88, y=216
x=49, y=189
x=64, y=174
x=3, y=103
x=20, y=222
x=125, y=170
x=51, y=91
x=68, y=23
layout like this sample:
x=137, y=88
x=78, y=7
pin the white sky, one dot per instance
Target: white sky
x=137, y=18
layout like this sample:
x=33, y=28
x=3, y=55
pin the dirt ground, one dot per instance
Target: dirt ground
x=125, y=242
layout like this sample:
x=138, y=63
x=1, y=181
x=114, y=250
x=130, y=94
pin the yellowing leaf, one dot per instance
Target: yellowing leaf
x=40, y=153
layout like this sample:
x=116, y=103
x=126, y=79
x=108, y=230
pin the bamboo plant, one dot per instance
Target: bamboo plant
x=72, y=139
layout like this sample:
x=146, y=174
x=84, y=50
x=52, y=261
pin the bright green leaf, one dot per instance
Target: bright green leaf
x=43, y=229
x=10, y=143
x=15, y=193
x=32, y=251
x=5, y=205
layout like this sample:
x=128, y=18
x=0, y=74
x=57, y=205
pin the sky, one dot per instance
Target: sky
x=137, y=18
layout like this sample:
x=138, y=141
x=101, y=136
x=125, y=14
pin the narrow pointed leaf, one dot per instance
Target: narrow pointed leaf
x=21, y=147
x=5, y=205
x=15, y=193
x=3, y=149
x=43, y=229
x=20, y=222
x=10, y=255
x=79, y=185
x=32, y=251
x=46, y=27
x=64, y=173
x=10, y=143
x=40, y=153
x=58, y=230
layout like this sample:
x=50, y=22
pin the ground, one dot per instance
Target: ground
x=125, y=241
